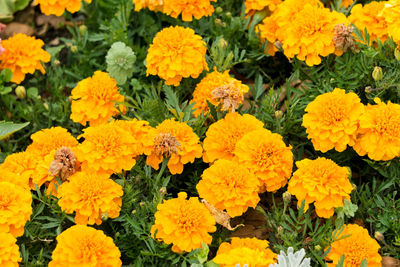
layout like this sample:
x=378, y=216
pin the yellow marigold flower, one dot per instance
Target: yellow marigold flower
x=47, y=140
x=22, y=165
x=323, y=182
x=367, y=17
x=347, y=3
x=188, y=8
x=391, y=14
x=58, y=7
x=9, y=251
x=15, y=208
x=18, y=180
x=332, y=120
x=175, y=140
x=80, y=245
x=222, y=136
x=93, y=100
x=356, y=247
x=184, y=223
x=176, y=53
x=90, y=195
x=379, y=133
x=107, y=149
x=229, y=186
x=265, y=154
x=153, y=5
x=23, y=54
x=245, y=251
x=256, y=5
x=204, y=90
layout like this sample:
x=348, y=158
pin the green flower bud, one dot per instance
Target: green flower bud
x=104, y=216
x=278, y=114
x=377, y=74
x=397, y=54
x=20, y=92
x=218, y=10
x=222, y=44
x=287, y=197
x=82, y=29
x=379, y=236
x=120, y=61
x=74, y=49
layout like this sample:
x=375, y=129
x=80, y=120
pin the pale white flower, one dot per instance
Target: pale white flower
x=292, y=259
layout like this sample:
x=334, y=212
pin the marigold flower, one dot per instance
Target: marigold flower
x=323, y=182
x=356, y=247
x=175, y=140
x=93, y=100
x=184, y=223
x=391, y=14
x=176, y=53
x=379, y=132
x=367, y=17
x=153, y=5
x=90, y=195
x=9, y=251
x=19, y=180
x=107, y=149
x=58, y=7
x=332, y=120
x=80, y=245
x=22, y=165
x=47, y=140
x=23, y=54
x=256, y=5
x=265, y=154
x=204, y=90
x=15, y=208
x=188, y=8
x=250, y=251
x=120, y=61
x=222, y=136
x=229, y=186
x=347, y=3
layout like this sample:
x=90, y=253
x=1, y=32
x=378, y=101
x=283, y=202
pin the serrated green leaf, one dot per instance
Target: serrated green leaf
x=8, y=128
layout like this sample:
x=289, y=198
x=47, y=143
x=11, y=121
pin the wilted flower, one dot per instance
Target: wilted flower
x=292, y=259
x=23, y=54
x=9, y=251
x=343, y=38
x=120, y=59
x=58, y=7
x=80, y=245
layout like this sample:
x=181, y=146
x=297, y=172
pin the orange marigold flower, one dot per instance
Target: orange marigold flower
x=323, y=182
x=23, y=54
x=22, y=165
x=58, y=7
x=245, y=251
x=222, y=136
x=229, y=186
x=379, y=132
x=184, y=223
x=332, y=120
x=347, y=3
x=176, y=53
x=47, y=140
x=93, y=100
x=204, y=90
x=367, y=17
x=19, y=180
x=188, y=8
x=9, y=251
x=107, y=149
x=256, y=5
x=267, y=156
x=175, y=140
x=153, y=5
x=90, y=196
x=356, y=247
x=15, y=208
x=80, y=245
x=391, y=14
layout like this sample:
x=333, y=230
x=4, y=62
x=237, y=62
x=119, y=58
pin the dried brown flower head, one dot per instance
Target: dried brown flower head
x=220, y=216
x=64, y=164
x=229, y=95
x=165, y=144
x=343, y=38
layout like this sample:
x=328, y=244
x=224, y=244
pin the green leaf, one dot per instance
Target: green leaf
x=6, y=75
x=8, y=128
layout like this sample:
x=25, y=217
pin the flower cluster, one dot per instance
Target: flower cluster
x=23, y=54
x=9, y=252
x=184, y=223
x=58, y=7
x=322, y=182
x=93, y=100
x=356, y=245
x=245, y=251
x=85, y=246
x=176, y=53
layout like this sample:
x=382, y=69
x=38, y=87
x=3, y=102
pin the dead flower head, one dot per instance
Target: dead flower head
x=343, y=38
x=64, y=164
x=166, y=144
x=229, y=95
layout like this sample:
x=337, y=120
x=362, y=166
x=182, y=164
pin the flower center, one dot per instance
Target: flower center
x=229, y=95
x=166, y=144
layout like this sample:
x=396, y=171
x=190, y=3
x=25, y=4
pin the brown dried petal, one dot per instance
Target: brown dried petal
x=64, y=164
x=221, y=217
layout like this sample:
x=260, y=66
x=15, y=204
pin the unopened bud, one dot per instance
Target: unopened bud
x=397, y=54
x=142, y=204
x=219, y=10
x=280, y=230
x=317, y=248
x=278, y=114
x=46, y=106
x=354, y=187
x=287, y=197
x=163, y=191
x=20, y=92
x=57, y=62
x=74, y=49
x=222, y=44
x=379, y=236
x=218, y=22
x=133, y=212
x=104, y=216
x=82, y=29
x=228, y=15
x=377, y=74
x=368, y=89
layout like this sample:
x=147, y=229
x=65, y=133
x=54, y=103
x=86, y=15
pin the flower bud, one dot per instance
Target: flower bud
x=368, y=89
x=163, y=191
x=377, y=74
x=397, y=54
x=218, y=22
x=317, y=248
x=133, y=212
x=287, y=197
x=222, y=44
x=280, y=230
x=278, y=114
x=379, y=236
x=74, y=49
x=20, y=92
x=142, y=204
x=57, y=62
x=219, y=10
x=46, y=106
x=228, y=15
x=82, y=29
x=104, y=216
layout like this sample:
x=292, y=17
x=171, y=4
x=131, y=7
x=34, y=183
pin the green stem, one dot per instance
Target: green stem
x=160, y=173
